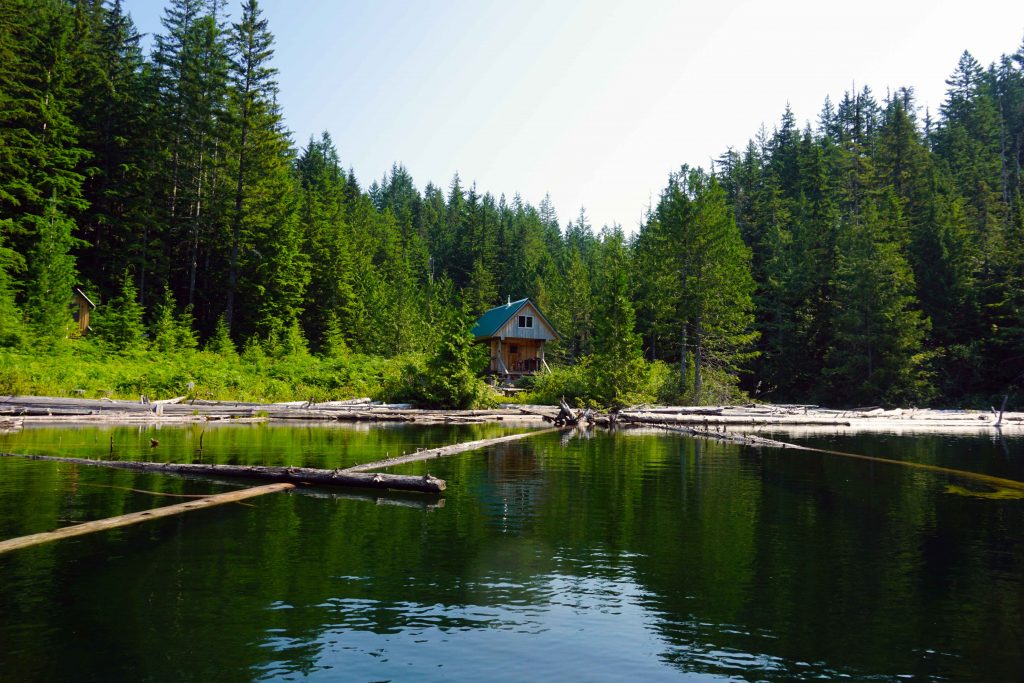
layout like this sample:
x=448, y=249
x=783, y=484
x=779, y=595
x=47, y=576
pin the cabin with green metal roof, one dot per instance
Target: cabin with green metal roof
x=516, y=333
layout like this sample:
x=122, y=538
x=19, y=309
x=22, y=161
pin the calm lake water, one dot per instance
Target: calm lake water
x=645, y=557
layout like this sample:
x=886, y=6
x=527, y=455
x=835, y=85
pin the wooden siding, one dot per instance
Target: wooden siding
x=517, y=356
x=539, y=331
x=80, y=312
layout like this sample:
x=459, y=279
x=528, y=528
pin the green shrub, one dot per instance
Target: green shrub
x=592, y=383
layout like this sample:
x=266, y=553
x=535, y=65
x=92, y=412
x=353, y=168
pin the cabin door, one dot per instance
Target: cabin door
x=515, y=351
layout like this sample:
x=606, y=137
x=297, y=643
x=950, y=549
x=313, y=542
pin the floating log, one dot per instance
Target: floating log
x=446, y=450
x=758, y=442
x=417, y=501
x=294, y=475
x=137, y=517
x=726, y=437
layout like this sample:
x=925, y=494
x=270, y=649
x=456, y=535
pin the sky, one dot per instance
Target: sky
x=592, y=101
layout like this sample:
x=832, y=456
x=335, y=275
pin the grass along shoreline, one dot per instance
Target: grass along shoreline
x=79, y=369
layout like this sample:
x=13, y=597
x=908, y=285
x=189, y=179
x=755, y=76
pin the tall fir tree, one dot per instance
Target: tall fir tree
x=621, y=374
x=267, y=271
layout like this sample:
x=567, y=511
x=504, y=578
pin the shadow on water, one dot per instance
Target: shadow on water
x=620, y=556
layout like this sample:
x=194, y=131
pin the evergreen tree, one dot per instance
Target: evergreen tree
x=480, y=293
x=878, y=353
x=110, y=111
x=711, y=283
x=51, y=270
x=618, y=362
x=574, y=314
x=330, y=306
x=118, y=323
x=12, y=329
x=171, y=331
x=40, y=184
x=190, y=160
x=267, y=270
x=450, y=380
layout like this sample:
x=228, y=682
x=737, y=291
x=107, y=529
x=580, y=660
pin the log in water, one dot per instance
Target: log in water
x=294, y=475
x=137, y=517
x=446, y=450
x=998, y=483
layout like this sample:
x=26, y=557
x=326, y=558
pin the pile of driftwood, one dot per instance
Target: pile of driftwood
x=181, y=409
x=567, y=417
x=871, y=418
x=48, y=409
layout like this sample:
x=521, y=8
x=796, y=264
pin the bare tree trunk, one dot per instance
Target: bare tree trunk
x=682, y=360
x=236, y=225
x=698, y=348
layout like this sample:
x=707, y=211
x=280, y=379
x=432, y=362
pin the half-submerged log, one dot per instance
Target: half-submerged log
x=998, y=483
x=446, y=450
x=294, y=475
x=136, y=517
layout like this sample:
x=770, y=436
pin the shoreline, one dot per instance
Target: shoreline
x=19, y=410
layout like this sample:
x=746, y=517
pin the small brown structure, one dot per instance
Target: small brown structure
x=81, y=308
x=516, y=333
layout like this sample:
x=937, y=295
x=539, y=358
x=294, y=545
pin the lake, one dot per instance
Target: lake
x=647, y=556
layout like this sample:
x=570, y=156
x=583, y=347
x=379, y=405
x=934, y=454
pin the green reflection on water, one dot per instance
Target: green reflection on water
x=613, y=556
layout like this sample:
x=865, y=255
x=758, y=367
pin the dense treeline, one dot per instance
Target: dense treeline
x=876, y=257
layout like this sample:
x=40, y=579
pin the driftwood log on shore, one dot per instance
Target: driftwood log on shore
x=59, y=409
x=50, y=409
x=784, y=416
x=294, y=475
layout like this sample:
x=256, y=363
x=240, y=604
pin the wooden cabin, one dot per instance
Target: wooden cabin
x=516, y=333
x=81, y=306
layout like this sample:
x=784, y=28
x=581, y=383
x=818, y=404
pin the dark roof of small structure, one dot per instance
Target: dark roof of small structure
x=488, y=324
x=79, y=292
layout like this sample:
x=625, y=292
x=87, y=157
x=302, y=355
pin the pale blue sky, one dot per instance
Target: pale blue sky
x=594, y=102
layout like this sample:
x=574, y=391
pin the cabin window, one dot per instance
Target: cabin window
x=526, y=321
x=513, y=349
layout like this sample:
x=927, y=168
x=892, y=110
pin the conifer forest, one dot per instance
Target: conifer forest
x=873, y=256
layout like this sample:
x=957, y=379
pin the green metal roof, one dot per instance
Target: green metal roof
x=491, y=321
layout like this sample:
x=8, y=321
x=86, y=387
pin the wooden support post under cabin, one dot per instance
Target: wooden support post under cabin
x=501, y=360
x=294, y=475
x=137, y=517
x=446, y=450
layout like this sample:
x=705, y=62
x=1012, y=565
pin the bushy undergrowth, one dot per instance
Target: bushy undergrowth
x=90, y=369
x=586, y=384
x=81, y=368
x=450, y=377
x=589, y=383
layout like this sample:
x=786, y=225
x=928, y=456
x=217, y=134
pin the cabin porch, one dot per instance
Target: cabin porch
x=517, y=357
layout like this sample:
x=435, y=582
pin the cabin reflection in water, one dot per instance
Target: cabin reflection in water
x=516, y=333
